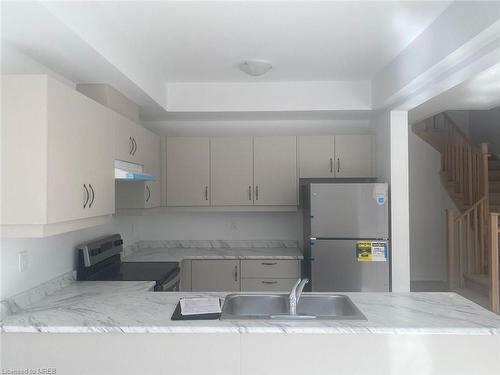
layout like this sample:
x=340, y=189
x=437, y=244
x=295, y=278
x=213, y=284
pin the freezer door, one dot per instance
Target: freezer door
x=347, y=210
x=335, y=268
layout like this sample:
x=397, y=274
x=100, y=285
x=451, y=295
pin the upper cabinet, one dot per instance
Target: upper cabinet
x=335, y=156
x=232, y=171
x=275, y=171
x=152, y=166
x=143, y=194
x=316, y=156
x=353, y=156
x=66, y=180
x=129, y=140
x=188, y=171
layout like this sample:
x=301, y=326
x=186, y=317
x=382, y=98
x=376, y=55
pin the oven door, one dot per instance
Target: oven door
x=171, y=284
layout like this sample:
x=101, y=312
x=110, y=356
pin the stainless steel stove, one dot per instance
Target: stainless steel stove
x=100, y=260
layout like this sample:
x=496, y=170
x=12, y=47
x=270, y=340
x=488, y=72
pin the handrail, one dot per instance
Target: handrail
x=457, y=129
x=472, y=208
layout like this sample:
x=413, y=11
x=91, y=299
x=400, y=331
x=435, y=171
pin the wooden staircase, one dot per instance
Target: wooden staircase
x=471, y=177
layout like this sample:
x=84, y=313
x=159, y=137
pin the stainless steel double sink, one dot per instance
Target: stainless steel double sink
x=311, y=306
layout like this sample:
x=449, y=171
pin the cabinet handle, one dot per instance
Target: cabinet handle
x=269, y=282
x=249, y=193
x=206, y=192
x=87, y=196
x=135, y=146
x=269, y=263
x=235, y=273
x=338, y=164
x=149, y=193
x=257, y=193
x=93, y=195
x=331, y=165
x=131, y=146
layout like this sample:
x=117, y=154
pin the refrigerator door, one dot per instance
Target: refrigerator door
x=335, y=268
x=347, y=210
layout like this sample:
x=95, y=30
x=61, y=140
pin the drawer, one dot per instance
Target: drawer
x=267, y=285
x=275, y=269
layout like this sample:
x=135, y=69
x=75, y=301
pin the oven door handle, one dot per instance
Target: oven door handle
x=170, y=283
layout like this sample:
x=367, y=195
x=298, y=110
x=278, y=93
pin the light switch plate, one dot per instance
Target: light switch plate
x=22, y=261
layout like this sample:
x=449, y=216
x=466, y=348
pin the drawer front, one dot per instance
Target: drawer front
x=267, y=285
x=275, y=269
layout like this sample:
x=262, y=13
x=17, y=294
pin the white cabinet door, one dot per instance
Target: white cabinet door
x=129, y=141
x=99, y=159
x=152, y=165
x=353, y=156
x=231, y=171
x=215, y=275
x=67, y=154
x=275, y=171
x=316, y=156
x=188, y=171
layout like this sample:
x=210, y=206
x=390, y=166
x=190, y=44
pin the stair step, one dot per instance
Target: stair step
x=477, y=282
x=494, y=165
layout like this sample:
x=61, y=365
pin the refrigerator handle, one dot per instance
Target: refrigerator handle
x=338, y=164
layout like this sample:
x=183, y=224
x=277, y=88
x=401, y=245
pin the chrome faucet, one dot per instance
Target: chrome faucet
x=295, y=295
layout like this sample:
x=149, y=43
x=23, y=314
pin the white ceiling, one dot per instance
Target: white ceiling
x=305, y=41
x=479, y=93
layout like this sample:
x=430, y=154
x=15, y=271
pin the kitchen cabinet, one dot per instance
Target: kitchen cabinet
x=353, y=156
x=316, y=156
x=188, y=171
x=152, y=166
x=215, y=275
x=335, y=156
x=270, y=268
x=275, y=171
x=231, y=171
x=129, y=140
x=66, y=180
x=267, y=285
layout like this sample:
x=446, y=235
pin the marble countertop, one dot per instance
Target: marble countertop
x=131, y=307
x=177, y=254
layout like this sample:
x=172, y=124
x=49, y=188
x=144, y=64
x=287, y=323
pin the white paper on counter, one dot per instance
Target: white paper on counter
x=194, y=306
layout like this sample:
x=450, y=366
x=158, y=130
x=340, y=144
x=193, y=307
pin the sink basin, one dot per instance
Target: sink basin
x=275, y=306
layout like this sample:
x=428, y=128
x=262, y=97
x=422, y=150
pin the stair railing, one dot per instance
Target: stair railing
x=494, y=266
x=467, y=242
x=464, y=163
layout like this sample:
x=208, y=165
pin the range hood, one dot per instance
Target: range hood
x=125, y=171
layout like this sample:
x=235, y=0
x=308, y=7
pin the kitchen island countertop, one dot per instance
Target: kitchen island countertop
x=131, y=307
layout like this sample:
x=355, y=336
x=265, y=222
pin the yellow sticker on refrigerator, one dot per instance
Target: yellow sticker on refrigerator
x=371, y=251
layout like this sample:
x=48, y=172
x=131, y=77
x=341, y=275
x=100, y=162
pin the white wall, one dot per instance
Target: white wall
x=51, y=256
x=268, y=96
x=461, y=119
x=427, y=216
x=485, y=127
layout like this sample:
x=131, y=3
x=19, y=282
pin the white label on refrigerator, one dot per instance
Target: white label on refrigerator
x=379, y=251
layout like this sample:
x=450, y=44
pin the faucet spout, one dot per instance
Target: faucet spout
x=295, y=294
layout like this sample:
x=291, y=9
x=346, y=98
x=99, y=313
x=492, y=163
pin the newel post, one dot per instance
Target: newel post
x=450, y=247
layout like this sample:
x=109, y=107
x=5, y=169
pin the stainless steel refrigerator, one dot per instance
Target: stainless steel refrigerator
x=346, y=235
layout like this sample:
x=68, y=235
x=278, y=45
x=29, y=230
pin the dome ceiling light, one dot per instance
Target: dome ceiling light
x=255, y=67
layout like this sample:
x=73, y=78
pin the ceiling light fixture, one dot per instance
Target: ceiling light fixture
x=255, y=67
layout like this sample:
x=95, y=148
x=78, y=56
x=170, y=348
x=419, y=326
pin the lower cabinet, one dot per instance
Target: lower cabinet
x=231, y=275
x=267, y=285
x=215, y=275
